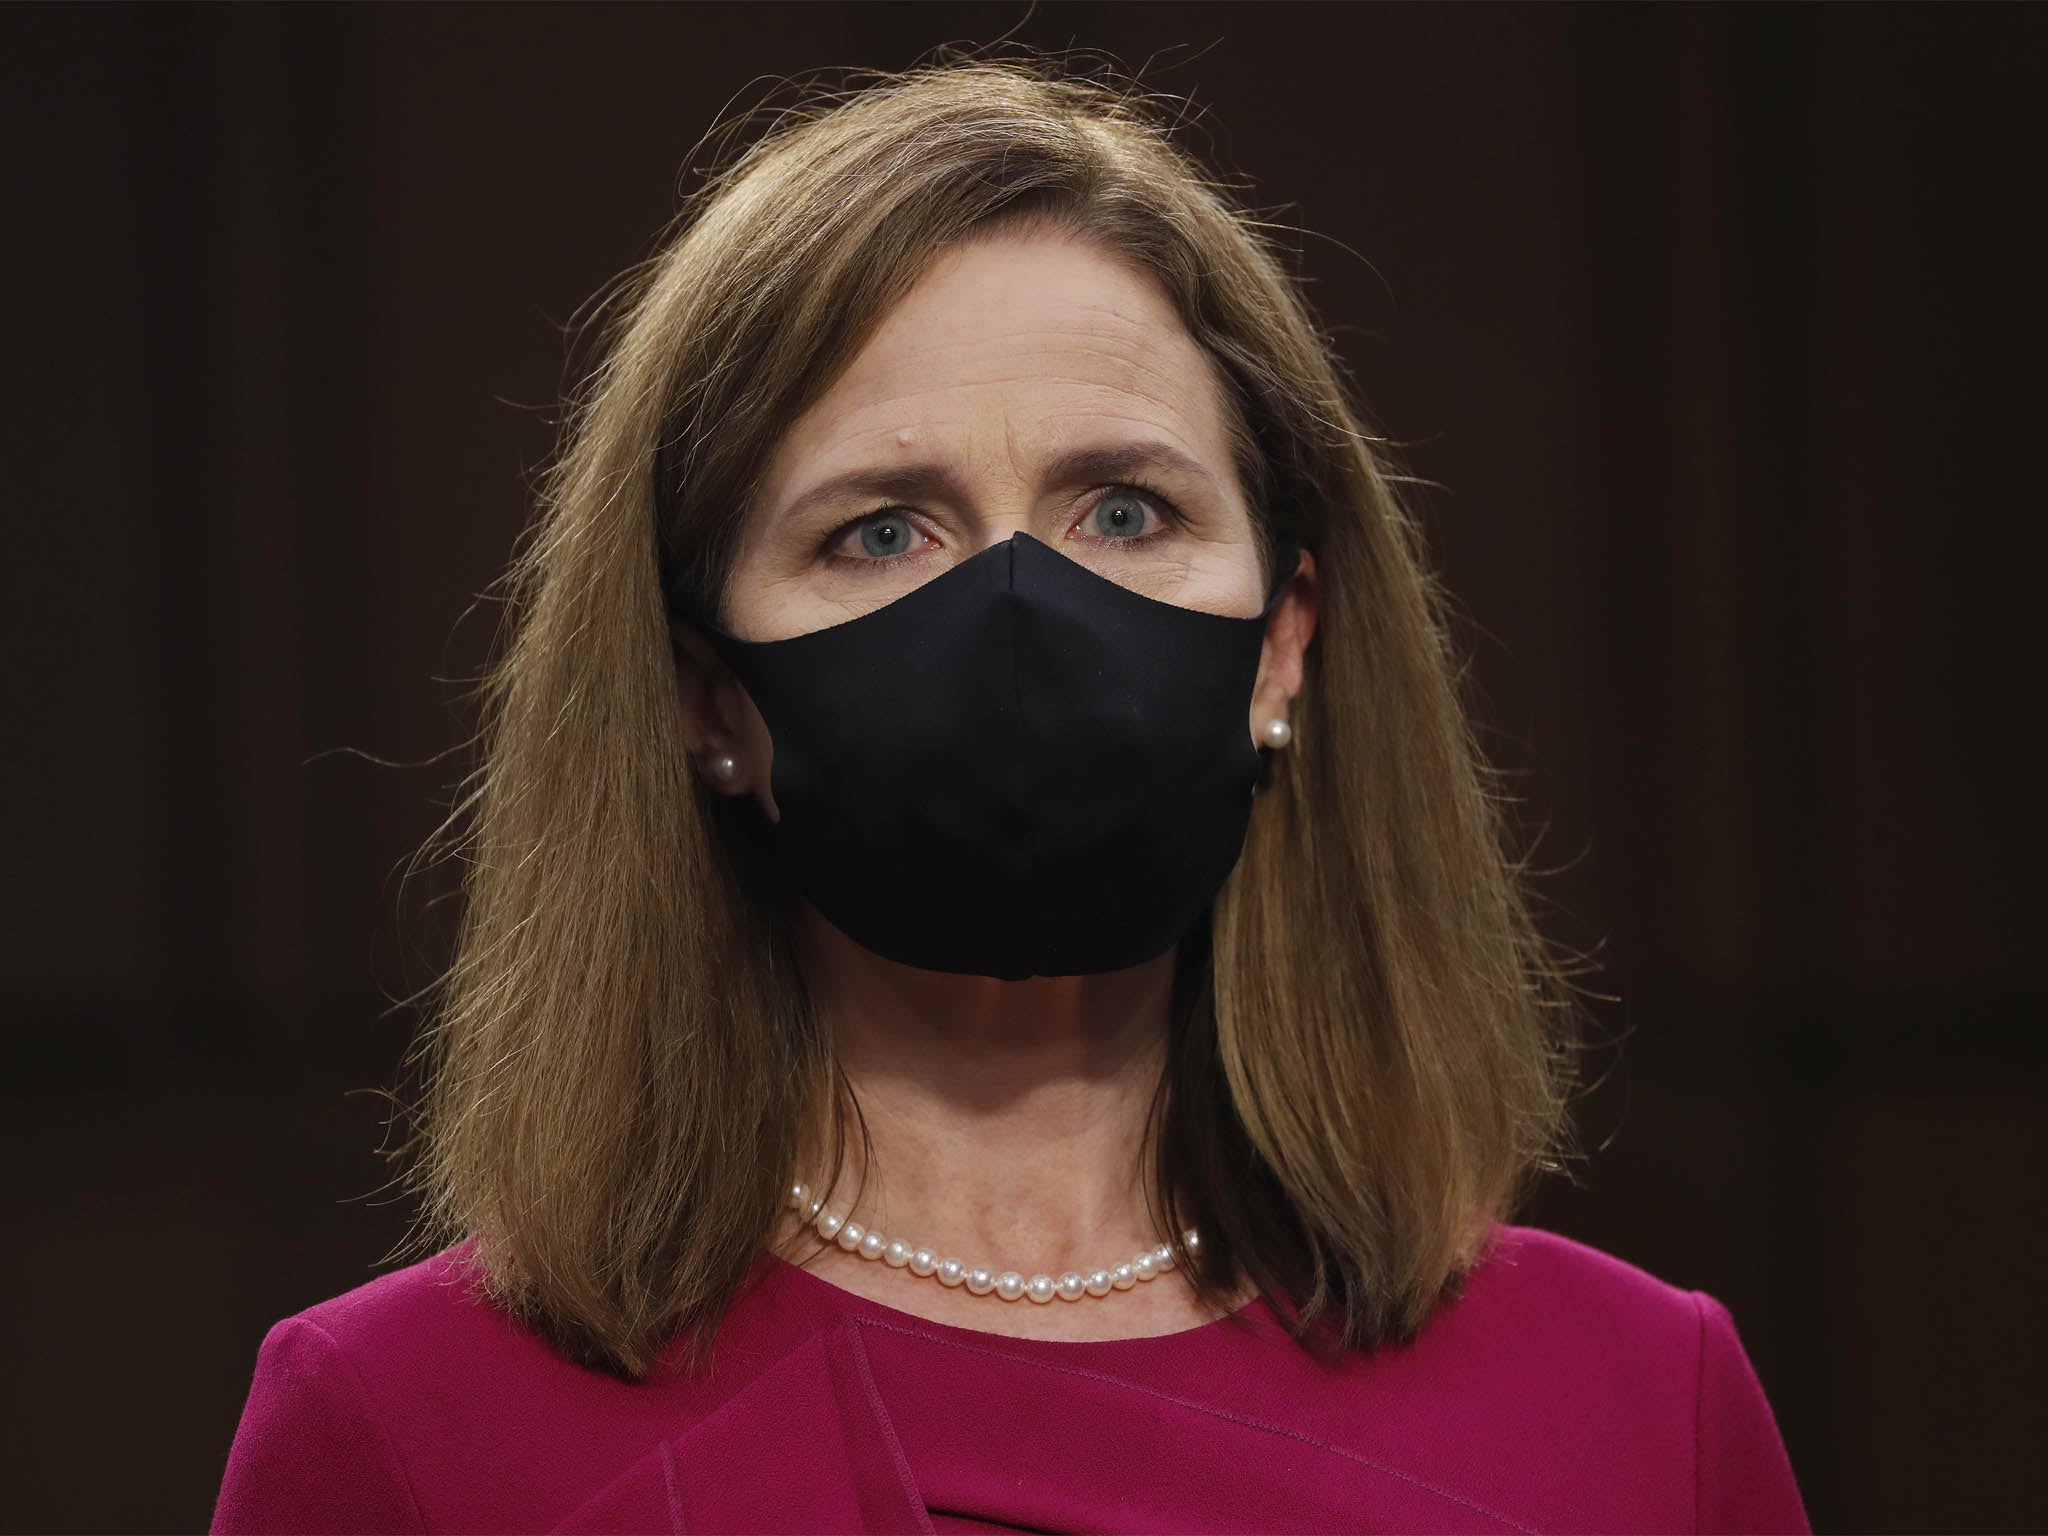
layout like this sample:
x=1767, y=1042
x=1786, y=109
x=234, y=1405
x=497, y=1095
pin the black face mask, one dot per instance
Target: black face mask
x=1019, y=768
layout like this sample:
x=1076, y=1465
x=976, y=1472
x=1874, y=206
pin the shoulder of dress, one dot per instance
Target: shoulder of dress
x=432, y=1298
x=1532, y=1272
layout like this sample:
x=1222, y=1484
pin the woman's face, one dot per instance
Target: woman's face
x=1027, y=382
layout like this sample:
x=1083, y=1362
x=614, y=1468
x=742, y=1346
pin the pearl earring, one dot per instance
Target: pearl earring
x=1278, y=733
x=723, y=769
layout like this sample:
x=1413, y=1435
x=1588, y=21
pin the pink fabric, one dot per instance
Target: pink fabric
x=1563, y=1391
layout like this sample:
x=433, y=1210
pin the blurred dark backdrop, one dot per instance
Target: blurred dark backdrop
x=1719, y=331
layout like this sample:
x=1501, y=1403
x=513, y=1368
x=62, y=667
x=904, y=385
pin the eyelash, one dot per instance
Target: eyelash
x=1158, y=499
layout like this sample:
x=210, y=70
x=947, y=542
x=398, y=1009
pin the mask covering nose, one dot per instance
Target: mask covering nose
x=1020, y=768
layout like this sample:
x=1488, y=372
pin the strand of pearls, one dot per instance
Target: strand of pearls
x=1009, y=1285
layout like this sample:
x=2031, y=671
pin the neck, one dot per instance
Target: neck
x=1005, y=1117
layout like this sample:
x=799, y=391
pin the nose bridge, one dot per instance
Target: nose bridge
x=1000, y=474
x=1008, y=493
x=1002, y=519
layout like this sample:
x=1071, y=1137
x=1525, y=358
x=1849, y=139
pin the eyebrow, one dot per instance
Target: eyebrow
x=1094, y=464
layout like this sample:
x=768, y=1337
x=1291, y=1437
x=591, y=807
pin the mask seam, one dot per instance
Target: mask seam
x=1025, y=767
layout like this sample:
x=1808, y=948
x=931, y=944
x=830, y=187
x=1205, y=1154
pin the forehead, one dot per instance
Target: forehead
x=1035, y=335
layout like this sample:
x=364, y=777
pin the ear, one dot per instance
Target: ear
x=1289, y=628
x=719, y=720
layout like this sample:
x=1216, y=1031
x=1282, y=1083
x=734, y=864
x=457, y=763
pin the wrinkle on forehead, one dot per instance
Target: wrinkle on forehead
x=1063, y=332
x=914, y=405
x=907, y=429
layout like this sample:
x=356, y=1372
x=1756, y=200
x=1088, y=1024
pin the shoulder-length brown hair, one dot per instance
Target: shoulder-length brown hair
x=1372, y=1050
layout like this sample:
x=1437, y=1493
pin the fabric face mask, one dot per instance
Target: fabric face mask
x=1020, y=768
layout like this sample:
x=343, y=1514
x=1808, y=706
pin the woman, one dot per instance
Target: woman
x=972, y=677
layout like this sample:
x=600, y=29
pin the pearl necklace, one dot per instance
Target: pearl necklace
x=1009, y=1285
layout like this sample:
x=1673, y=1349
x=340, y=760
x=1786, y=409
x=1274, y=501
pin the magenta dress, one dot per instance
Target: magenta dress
x=1563, y=1391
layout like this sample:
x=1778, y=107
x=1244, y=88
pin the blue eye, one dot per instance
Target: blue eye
x=886, y=536
x=1117, y=516
x=1120, y=515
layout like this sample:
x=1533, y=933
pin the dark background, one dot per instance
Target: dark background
x=1719, y=332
